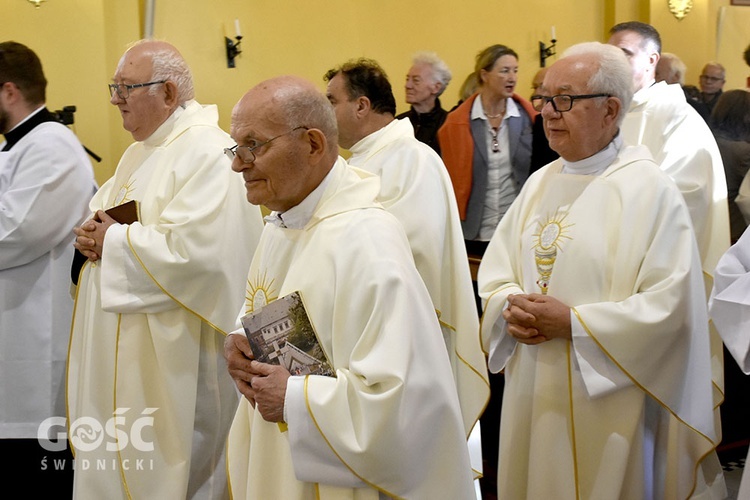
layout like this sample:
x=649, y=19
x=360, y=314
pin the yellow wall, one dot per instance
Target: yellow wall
x=80, y=42
x=692, y=38
x=309, y=37
x=72, y=58
x=732, y=38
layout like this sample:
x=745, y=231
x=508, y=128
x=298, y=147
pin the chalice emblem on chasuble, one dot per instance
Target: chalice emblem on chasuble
x=548, y=241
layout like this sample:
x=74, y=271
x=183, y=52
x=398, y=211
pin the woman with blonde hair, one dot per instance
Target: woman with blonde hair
x=486, y=146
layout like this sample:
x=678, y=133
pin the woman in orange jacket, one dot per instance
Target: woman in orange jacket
x=486, y=146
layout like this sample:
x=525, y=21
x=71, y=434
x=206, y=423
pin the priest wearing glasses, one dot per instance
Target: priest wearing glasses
x=595, y=309
x=157, y=296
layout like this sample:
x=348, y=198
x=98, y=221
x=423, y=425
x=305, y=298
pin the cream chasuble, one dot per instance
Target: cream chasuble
x=389, y=424
x=623, y=411
x=685, y=148
x=150, y=316
x=416, y=188
x=730, y=311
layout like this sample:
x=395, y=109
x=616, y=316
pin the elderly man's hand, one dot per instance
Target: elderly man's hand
x=270, y=390
x=90, y=235
x=520, y=323
x=535, y=318
x=239, y=358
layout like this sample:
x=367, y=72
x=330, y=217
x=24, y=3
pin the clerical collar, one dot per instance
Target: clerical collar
x=299, y=215
x=39, y=116
x=597, y=163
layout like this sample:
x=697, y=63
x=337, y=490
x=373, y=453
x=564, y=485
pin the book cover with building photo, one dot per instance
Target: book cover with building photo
x=281, y=333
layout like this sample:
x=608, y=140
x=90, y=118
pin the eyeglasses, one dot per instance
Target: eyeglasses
x=123, y=89
x=561, y=102
x=708, y=78
x=247, y=153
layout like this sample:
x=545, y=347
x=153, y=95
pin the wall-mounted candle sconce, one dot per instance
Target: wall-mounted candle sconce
x=233, y=48
x=36, y=3
x=547, y=51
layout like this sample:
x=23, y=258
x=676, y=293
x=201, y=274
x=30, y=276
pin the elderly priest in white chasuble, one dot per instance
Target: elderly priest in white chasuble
x=157, y=296
x=388, y=424
x=596, y=310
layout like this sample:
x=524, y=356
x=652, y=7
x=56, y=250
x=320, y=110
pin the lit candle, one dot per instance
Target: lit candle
x=237, y=28
x=554, y=37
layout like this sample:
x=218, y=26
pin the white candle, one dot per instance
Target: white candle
x=237, y=28
x=554, y=37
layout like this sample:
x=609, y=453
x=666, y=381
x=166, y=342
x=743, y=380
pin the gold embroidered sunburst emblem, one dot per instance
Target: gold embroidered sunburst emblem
x=549, y=239
x=123, y=195
x=259, y=293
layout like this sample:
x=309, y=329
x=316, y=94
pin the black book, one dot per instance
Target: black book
x=127, y=213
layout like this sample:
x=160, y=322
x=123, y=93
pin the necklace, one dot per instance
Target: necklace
x=493, y=116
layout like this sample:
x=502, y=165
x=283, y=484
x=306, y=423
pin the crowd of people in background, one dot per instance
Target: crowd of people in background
x=522, y=296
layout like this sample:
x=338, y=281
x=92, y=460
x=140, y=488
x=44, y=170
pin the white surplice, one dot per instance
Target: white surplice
x=416, y=188
x=389, y=424
x=730, y=311
x=624, y=410
x=46, y=182
x=151, y=314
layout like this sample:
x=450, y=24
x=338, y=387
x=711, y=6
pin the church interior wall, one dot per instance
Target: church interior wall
x=80, y=42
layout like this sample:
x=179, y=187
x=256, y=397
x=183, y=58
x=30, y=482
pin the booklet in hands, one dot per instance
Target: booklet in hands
x=127, y=213
x=281, y=333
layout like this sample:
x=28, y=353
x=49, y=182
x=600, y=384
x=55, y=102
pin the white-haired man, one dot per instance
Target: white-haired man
x=388, y=424
x=670, y=69
x=711, y=82
x=425, y=82
x=595, y=308
x=157, y=296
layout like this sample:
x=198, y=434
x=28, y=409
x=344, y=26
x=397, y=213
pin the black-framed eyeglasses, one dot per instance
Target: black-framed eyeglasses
x=561, y=102
x=247, y=153
x=123, y=89
x=709, y=78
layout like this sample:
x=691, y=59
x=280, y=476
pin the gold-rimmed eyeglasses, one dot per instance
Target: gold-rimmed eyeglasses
x=247, y=153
